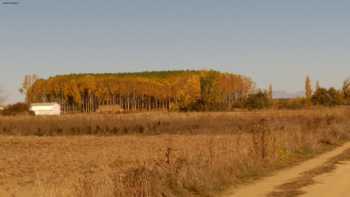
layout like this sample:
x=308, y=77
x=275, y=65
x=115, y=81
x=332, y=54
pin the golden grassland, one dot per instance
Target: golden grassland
x=158, y=154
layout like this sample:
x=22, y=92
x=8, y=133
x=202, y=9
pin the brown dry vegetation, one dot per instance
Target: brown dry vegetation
x=158, y=154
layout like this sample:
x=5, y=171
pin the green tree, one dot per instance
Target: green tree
x=258, y=100
x=210, y=93
x=330, y=97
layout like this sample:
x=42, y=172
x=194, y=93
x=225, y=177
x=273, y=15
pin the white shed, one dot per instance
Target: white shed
x=41, y=109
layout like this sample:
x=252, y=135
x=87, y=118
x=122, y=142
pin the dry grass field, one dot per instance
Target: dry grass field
x=158, y=154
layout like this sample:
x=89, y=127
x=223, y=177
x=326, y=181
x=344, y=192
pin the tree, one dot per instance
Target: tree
x=258, y=100
x=318, y=85
x=211, y=95
x=141, y=91
x=16, y=109
x=270, y=92
x=330, y=97
x=2, y=97
x=308, y=88
x=27, y=83
x=346, y=90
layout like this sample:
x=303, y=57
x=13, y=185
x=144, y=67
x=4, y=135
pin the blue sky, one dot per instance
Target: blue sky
x=278, y=42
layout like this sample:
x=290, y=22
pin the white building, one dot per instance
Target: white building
x=41, y=109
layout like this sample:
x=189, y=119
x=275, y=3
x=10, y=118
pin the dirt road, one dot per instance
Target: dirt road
x=335, y=183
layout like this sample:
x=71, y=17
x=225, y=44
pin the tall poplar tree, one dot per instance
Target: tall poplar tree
x=270, y=92
x=318, y=85
x=308, y=88
x=2, y=97
x=346, y=89
x=27, y=83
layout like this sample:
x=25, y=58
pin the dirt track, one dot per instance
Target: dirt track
x=335, y=184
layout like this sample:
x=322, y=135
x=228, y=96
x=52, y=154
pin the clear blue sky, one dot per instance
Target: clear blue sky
x=276, y=42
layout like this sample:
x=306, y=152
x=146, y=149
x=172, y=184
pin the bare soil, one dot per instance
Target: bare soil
x=335, y=184
x=291, y=182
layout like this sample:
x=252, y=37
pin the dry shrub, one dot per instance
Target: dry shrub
x=165, y=123
x=228, y=149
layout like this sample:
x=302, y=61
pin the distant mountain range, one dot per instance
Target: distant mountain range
x=285, y=94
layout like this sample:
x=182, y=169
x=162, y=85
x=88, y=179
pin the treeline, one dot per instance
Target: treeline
x=326, y=96
x=318, y=96
x=145, y=91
